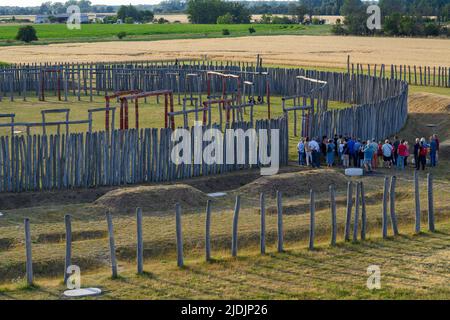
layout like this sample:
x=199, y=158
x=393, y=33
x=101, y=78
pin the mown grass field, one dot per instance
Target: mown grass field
x=412, y=266
x=59, y=33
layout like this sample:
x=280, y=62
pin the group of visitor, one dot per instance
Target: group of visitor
x=350, y=151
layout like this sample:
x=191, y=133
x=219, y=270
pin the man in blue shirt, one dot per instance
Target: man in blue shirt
x=356, y=148
x=351, y=148
x=433, y=150
x=301, y=153
x=368, y=155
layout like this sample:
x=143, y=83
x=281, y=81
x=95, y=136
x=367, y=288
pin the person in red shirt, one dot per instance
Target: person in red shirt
x=401, y=155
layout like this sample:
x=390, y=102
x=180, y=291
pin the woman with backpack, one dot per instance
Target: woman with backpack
x=423, y=151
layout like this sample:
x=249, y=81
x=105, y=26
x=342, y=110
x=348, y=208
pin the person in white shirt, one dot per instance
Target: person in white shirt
x=301, y=152
x=315, y=153
x=387, y=149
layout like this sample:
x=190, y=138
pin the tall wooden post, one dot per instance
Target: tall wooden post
x=208, y=231
x=385, y=200
x=140, y=244
x=29, y=263
x=280, y=221
x=333, y=215
x=363, y=212
x=356, y=221
x=234, y=239
x=430, y=203
x=312, y=222
x=392, y=205
x=417, y=200
x=179, y=235
x=348, y=217
x=112, y=246
x=68, y=259
x=263, y=223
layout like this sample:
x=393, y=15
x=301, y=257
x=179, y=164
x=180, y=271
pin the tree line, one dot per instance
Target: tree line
x=398, y=18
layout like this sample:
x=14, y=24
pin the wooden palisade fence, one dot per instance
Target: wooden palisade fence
x=119, y=157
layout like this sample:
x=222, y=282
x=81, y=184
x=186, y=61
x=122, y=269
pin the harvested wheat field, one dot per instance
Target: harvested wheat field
x=321, y=51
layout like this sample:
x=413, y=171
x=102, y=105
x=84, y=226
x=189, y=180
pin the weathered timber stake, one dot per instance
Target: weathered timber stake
x=208, y=231
x=280, y=221
x=333, y=214
x=68, y=259
x=431, y=226
x=29, y=263
x=348, y=217
x=234, y=238
x=356, y=221
x=312, y=221
x=417, y=200
x=179, y=235
x=385, y=200
x=363, y=213
x=392, y=205
x=263, y=223
x=112, y=246
x=140, y=244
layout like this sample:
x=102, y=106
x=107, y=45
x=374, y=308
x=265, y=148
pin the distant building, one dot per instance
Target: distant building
x=59, y=18
x=41, y=18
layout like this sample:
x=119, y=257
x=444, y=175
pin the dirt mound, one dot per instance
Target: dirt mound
x=295, y=183
x=152, y=199
x=422, y=102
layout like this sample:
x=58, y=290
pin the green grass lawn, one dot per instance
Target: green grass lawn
x=151, y=114
x=55, y=33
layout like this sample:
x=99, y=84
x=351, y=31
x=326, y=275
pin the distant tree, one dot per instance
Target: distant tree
x=431, y=29
x=130, y=11
x=121, y=35
x=208, y=11
x=298, y=12
x=338, y=28
x=45, y=8
x=227, y=18
x=58, y=7
x=266, y=18
x=129, y=20
x=26, y=34
x=110, y=19
x=162, y=20
x=205, y=11
x=282, y=20
x=355, y=17
x=239, y=12
x=391, y=24
x=52, y=19
x=409, y=26
x=445, y=13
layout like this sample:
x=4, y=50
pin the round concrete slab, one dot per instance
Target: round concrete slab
x=85, y=292
x=217, y=194
x=354, y=172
